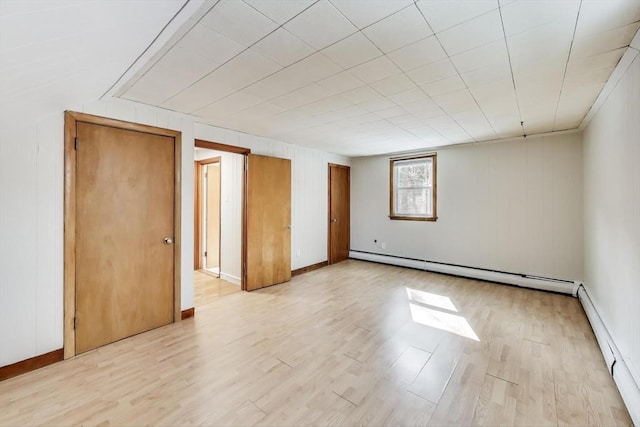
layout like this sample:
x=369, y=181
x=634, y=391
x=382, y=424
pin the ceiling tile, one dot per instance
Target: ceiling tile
x=408, y=96
x=521, y=16
x=241, y=71
x=600, y=16
x=416, y=54
x=340, y=82
x=374, y=70
x=168, y=76
x=352, y=51
x=229, y=105
x=308, y=70
x=440, y=87
x=283, y=47
x=474, y=33
x=238, y=21
x=280, y=11
x=320, y=25
x=209, y=44
x=302, y=96
x=398, y=30
x=489, y=54
x=596, y=43
x=602, y=60
x=446, y=14
x=432, y=72
x=365, y=12
x=393, y=85
x=456, y=102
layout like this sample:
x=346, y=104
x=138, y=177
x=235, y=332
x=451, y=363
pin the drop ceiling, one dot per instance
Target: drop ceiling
x=363, y=77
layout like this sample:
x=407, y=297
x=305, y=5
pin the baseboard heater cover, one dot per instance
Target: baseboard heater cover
x=539, y=283
x=628, y=387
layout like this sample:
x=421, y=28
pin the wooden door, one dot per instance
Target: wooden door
x=212, y=176
x=268, y=254
x=124, y=212
x=339, y=213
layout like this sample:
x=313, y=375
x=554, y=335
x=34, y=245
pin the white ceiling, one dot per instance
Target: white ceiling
x=360, y=77
x=354, y=77
x=56, y=54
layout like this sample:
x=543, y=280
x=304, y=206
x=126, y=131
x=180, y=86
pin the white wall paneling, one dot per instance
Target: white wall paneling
x=611, y=227
x=513, y=207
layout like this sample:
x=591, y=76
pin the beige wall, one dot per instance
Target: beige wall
x=507, y=206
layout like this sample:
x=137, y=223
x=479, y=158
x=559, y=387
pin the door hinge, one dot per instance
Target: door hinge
x=75, y=143
x=206, y=174
x=205, y=254
x=75, y=323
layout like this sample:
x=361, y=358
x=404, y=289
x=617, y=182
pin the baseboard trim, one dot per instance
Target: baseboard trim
x=189, y=312
x=308, y=268
x=521, y=280
x=628, y=387
x=31, y=364
x=229, y=278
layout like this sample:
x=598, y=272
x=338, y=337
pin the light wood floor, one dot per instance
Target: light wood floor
x=344, y=345
x=208, y=288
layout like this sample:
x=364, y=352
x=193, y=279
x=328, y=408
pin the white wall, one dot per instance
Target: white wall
x=31, y=216
x=231, y=172
x=507, y=206
x=612, y=214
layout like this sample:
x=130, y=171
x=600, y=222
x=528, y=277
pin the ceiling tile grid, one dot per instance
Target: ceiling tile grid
x=348, y=75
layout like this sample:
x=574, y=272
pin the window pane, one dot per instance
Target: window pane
x=413, y=173
x=414, y=201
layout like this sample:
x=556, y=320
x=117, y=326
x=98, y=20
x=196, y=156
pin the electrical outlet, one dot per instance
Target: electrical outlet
x=297, y=252
x=383, y=245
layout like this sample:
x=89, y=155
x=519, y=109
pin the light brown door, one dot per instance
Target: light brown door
x=339, y=213
x=268, y=259
x=124, y=213
x=212, y=175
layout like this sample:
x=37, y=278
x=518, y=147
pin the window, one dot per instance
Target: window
x=413, y=188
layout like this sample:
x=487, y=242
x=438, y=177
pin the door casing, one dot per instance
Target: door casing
x=70, y=122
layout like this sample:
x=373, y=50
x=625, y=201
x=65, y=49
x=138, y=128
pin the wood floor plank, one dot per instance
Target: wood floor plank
x=354, y=343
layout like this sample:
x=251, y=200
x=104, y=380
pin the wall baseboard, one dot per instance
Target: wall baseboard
x=628, y=387
x=543, y=284
x=229, y=278
x=31, y=364
x=189, y=312
x=308, y=268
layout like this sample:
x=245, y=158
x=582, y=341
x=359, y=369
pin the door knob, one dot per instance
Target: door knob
x=334, y=220
x=168, y=240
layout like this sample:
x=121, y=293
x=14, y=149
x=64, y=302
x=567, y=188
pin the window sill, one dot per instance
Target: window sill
x=413, y=218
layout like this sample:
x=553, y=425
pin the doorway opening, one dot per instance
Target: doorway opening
x=218, y=224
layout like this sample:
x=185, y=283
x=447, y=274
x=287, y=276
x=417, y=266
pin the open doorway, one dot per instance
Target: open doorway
x=218, y=224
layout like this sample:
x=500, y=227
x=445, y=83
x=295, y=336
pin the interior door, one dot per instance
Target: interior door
x=339, y=213
x=212, y=176
x=268, y=259
x=124, y=233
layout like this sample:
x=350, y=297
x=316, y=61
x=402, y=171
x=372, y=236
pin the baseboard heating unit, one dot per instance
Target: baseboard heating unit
x=522, y=280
